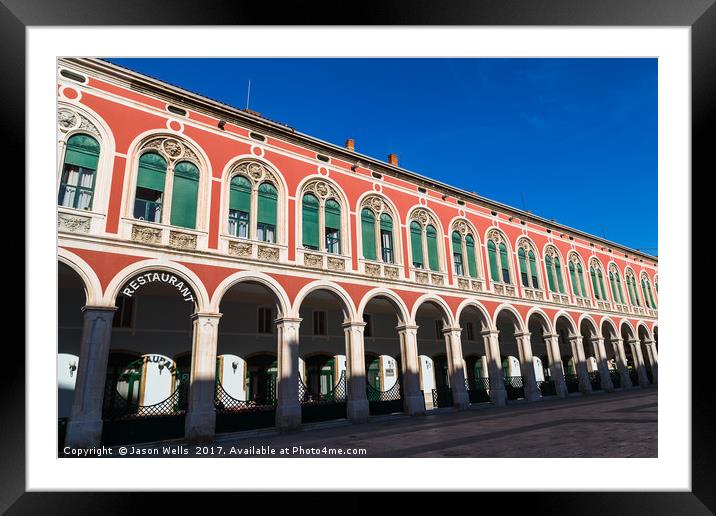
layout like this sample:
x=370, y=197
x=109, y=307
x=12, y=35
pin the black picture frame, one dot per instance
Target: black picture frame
x=700, y=15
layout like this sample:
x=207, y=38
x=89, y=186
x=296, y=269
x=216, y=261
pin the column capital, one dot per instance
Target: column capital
x=289, y=320
x=649, y=342
x=572, y=338
x=91, y=308
x=633, y=341
x=522, y=334
x=451, y=329
x=354, y=324
x=205, y=315
x=546, y=336
x=489, y=333
x=407, y=327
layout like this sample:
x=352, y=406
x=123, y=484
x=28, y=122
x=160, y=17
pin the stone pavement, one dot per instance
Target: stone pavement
x=618, y=424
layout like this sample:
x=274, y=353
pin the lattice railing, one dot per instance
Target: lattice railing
x=335, y=395
x=115, y=406
x=442, y=397
x=393, y=394
x=226, y=403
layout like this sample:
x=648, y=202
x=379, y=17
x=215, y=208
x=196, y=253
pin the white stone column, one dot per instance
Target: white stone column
x=288, y=411
x=529, y=380
x=498, y=395
x=652, y=355
x=622, y=363
x=556, y=369
x=639, y=359
x=580, y=364
x=84, y=428
x=456, y=369
x=201, y=411
x=601, y=355
x=357, y=402
x=413, y=401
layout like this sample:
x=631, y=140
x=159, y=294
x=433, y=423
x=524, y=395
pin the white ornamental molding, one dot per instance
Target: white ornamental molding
x=69, y=119
x=526, y=245
x=496, y=236
x=552, y=252
x=463, y=227
x=377, y=204
x=594, y=263
x=255, y=172
x=574, y=258
x=424, y=217
x=321, y=189
x=172, y=150
x=73, y=224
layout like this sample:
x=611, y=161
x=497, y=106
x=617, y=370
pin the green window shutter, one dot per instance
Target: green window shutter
x=240, y=194
x=267, y=204
x=619, y=290
x=456, y=242
x=595, y=288
x=643, y=291
x=185, y=193
x=505, y=262
x=651, y=297
x=386, y=222
x=333, y=214
x=533, y=269
x=581, y=280
x=152, y=172
x=558, y=273
x=368, y=233
x=615, y=294
x=636, y=291
x=575, y=286
x=432, y=241
x=416, y=243
x=550, y=273
x=601, y=284
x=492, y=256
x=82, y=151
x=471, y=260
x=310, y=221
x=524, y=273
x=629, y=290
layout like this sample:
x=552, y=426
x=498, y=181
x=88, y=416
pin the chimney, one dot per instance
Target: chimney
x=393, y=159
x=351, y=144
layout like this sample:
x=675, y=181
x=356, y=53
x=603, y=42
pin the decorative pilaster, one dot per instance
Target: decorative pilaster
x=288, y=411
x=639, y=359
x=653, y=358
x=414, y=402
x=456, y=368
x=201, y=411
x=601, y=356
x=524, y=349
x=84, y=428
x=556, y=370
x=357, y=404
x=498, y=395
x=580, y=364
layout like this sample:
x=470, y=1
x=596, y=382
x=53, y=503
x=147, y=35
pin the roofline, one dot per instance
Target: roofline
x=211, y=106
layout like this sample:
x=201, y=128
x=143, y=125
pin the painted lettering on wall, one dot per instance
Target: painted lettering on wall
x=161, y=277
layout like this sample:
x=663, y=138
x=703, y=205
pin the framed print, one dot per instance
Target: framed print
x=229, y=286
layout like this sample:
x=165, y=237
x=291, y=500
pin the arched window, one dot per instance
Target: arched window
x=457, y=253
x=471, y=256
x=554, y=270
x=646, y=288
x=528, y=264
x=632, y=288
x=79, y=172
x=185, y=193
x=322, y=222
x=595, y=273
x=167, y=172
x=424, y=240
x=377, y=230
x=151, y=180
x=576, y=276
x=463, y=250
x=616, y=284
x=498, y=257
x=253, y=203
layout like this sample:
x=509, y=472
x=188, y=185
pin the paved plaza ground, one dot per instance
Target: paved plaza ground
x=618, y=424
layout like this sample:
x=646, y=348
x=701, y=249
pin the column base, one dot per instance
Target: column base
x=414, y=405
x=460, y=400
x=357, y=410
x=561, y=389
x=200, y=426
x=288, y=416
x=533, y=396
x=83, y=434
x=498, y=397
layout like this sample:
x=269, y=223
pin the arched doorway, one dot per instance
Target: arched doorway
x=634, y=359
x=517, y=358
x=648, y=352
x=616, y=359
x=475, y=333
x=247, y=371
x=548, y=372
x=571, y=350
x=592, y=355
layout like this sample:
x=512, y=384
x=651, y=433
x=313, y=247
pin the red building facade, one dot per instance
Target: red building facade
x=240, y=248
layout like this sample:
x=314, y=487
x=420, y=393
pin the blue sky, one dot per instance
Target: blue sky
x=573, y=140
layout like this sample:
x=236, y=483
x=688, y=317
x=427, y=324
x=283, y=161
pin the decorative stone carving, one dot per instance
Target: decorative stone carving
x=499, y=289
x=146, y=235
x=313, y=260
x=242, y=249
x=172, y=150
x=69, y=119
x=477, y=285
x=510, y=290
x=372, y=269
x=437, y=279
x=336, y=264
x=321, y=189
x=377, y=204
x=463, y=283
x=424, y=217
x=526, y=245
x=496, y=236
x=255, y=172
x=73, y=224
x=269, y=254
x=390, y=272
x=421, y=277
x=182, y=240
